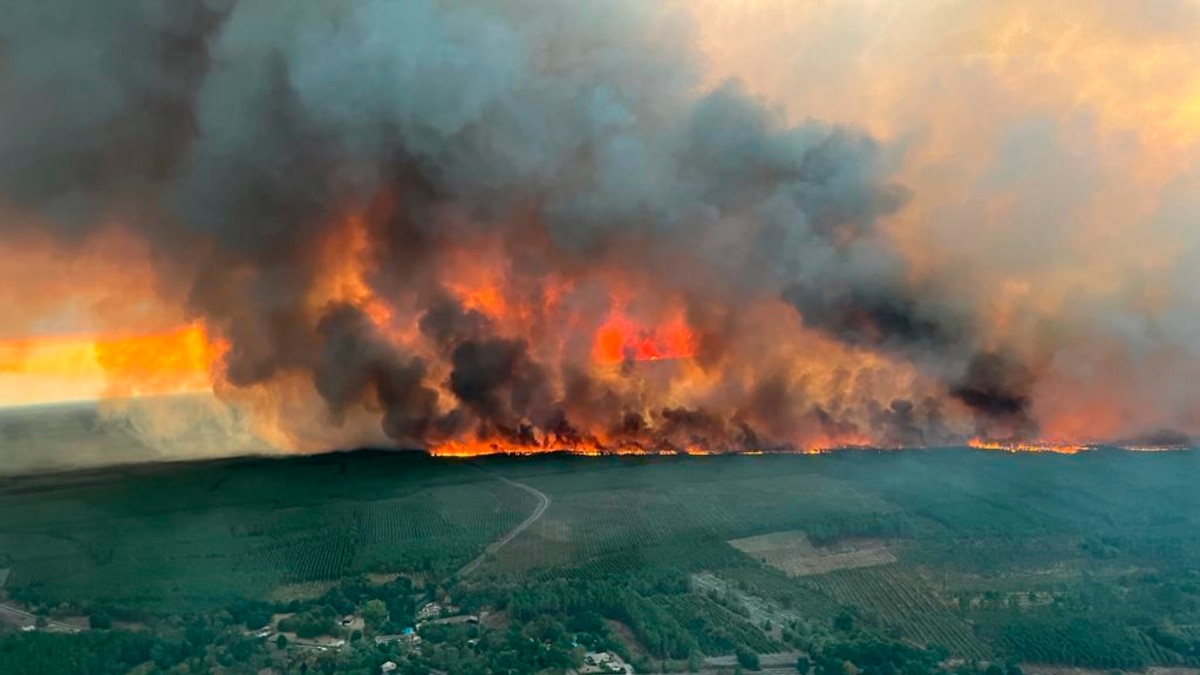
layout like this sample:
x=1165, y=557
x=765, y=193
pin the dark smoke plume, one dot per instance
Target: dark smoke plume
x=997, y=388
x=236, y=135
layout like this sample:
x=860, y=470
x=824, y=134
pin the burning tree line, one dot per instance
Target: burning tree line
x=479, y=226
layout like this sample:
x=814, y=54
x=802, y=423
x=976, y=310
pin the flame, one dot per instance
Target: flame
x=346, y=258
x=1124, y=101
x=1028, y=446
x=1068, y=123
x=619, y=339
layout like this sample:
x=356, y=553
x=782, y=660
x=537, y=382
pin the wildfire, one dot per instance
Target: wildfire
x=556, y=298
x=1028, y=446
x=479, y=448
x=620, y=339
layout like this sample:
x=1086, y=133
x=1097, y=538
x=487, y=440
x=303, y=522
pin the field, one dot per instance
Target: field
x=1089, y=560
x=982, y=554
x=794, y=555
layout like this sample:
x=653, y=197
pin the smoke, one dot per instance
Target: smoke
x=431, y=216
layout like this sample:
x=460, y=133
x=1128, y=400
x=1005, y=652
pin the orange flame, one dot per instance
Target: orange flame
x=620, y=339
x=1028, y=446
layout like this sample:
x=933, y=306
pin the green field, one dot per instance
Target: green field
x=1090, y=560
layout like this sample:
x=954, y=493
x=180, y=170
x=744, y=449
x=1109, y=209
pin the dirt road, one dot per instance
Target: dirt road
x=492, y=548
x=22, y=618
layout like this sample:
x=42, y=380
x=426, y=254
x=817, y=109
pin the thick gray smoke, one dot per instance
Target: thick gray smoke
x=236, y=135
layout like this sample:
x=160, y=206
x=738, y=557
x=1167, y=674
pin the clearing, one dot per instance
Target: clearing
x=793, y=554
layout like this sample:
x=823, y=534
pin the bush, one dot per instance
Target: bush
x=307, y=625
x=747, y=659
x=257, y=619
x=99, y=621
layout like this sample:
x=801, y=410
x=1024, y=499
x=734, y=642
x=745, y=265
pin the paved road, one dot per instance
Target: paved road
x=26, y=619
x=492, y=548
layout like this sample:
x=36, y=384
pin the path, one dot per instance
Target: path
x=492, y=548
x=27, y=619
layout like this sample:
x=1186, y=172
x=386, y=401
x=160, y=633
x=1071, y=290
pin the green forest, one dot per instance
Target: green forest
x=949, y=560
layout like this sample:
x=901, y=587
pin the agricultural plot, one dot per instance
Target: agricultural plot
x=719, y=630
x=899, y=599
x=760, y=610
x=794, y=555
x=600, y=520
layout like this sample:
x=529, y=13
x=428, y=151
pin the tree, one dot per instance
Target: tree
x=844, y=622
x=258, y=618
x=803, y=665
x=99, y=621
x=993, y=669
x=374, y=613
x=747, y=659
x=281, y=642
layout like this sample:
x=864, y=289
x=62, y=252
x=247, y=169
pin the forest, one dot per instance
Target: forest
x=952, y=560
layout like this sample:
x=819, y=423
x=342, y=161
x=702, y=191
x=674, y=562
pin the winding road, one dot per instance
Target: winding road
x=492, y=548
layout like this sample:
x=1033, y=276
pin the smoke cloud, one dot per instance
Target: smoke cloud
x=459, y=224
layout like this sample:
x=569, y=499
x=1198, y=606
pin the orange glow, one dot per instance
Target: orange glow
x=141, y=365
x=832, y=444
x=1044, y=146
x=1028, y=446
x=346, y=257
x=77, y=367
x=478, y=448
x=620, y=339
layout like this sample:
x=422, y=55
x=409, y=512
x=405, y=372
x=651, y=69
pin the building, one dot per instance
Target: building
x=604, y=662
x=429, y=611
x=408, y=638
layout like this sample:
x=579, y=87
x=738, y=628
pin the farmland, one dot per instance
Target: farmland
x=794, y=555
x=1089, y=560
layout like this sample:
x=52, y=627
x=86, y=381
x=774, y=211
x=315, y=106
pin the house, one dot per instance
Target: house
x=462, y=618
x=387, y=667
x=408, y=638
x=604, y=662
x=431, y=610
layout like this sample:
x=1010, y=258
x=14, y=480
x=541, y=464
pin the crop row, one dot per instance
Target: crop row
x=901, y=600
